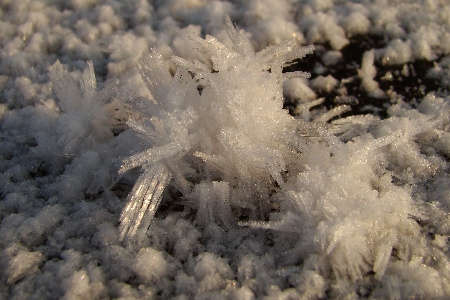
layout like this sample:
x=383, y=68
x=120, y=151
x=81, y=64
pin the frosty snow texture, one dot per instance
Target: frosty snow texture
x=229, y=196
x=229, y=146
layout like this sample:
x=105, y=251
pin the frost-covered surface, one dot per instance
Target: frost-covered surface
x=116, y=116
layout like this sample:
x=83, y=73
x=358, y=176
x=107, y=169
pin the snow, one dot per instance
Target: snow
x=181, y=149
x=23, y=264
x=324, y=84
x=367, y=73
x=149, y=265
x=298, y=89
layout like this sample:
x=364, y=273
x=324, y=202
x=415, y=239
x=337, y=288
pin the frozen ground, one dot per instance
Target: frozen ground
x=347, y=197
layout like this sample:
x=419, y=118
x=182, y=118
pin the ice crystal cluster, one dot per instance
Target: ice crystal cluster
x=154, y=150
x=84, y=120
x=223, y=136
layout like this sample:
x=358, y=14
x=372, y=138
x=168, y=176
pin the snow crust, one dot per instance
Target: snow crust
x=145, y=151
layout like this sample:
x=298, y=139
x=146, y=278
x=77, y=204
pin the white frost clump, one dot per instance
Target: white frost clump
x=397, y=52
x=367, y=73
x=84, y=122
x=23, y=264
x=298, y=89
x=232, y=138
x=321, y=27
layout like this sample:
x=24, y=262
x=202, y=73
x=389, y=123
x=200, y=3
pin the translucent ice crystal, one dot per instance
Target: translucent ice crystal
x=225, y=129
x=84, y=121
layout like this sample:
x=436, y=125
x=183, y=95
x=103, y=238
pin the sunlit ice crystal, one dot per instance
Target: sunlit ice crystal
x=85, y=119
x=227, y=125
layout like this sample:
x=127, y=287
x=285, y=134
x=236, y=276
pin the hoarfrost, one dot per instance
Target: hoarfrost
x=84, y=122
x=244, y=200
x=343, y=203
x=237, y=128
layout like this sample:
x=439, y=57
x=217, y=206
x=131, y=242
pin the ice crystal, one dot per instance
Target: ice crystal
x=223, y=131
x=85, y=120
x=347, y=205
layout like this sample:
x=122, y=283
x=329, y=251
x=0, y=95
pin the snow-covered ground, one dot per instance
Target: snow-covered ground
x=255, y=183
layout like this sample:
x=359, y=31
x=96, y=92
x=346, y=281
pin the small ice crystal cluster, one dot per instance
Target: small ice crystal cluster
x=221, y=138
x=84, y=122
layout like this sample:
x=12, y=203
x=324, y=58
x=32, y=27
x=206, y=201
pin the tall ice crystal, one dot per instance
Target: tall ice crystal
x=224, y=132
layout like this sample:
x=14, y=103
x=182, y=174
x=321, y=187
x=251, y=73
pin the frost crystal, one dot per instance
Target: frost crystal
x=85, y=121
x=225, y=131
